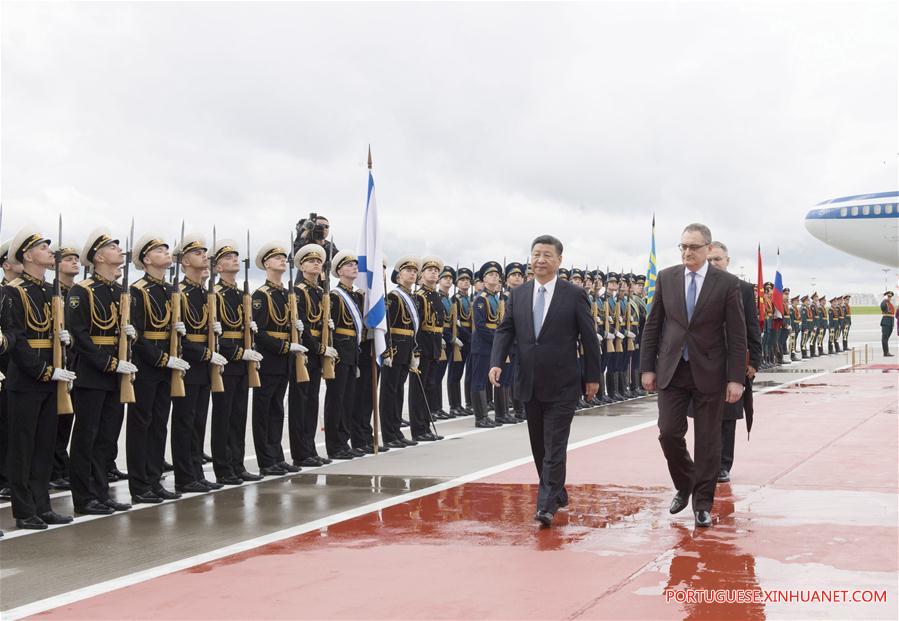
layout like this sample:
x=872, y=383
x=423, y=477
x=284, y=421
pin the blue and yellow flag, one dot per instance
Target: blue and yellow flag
x=651, y=269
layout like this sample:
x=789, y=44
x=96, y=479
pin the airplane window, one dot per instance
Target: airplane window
x=866, y=210
x=876, y=210
x=843, y=212
x=889, y=209
x=855, y=211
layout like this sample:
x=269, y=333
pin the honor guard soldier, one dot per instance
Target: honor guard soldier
x=577, y=277
x=795, y=319
x=461, y=309
x=821, y=321
x=841, y=323
x=229, y=407
x=189, y=413
x=403, y=322
x=514, y=277
x=786, y=327
x=612, y=335
x=69, y=268
x=806, y=318
x=847, y=320
x=148, y=416
x=638, y=300
x=11, y=270
x=93, y=317
x=271, y=313
x=31, y=381
x=486, y=316
x=302, y=399
x=599, y=310
x=564, y=274
x=887, y=320
x=767, y=319
x=346, y=313
x=445, y=282
x=429, y=349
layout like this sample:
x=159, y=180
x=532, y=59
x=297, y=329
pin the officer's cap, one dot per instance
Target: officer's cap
x=309, y=251
x=514, y=268
x=143, y=246
x=563, y=273
x=404, y=262
x=224, y=247
x=4, y=251
x=27, y=238
x=640, y=280
x=463, y=272
x=191, y=242
x=577, y=272
x=269, y=250
x=431, y=261
x=448, y=271
x=98, y=238
x=342, y=258
x=612, y=277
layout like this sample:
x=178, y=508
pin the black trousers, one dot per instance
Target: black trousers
x=189, y=415
x=302, y=415
x=419, y=405
x=229, y=423
x=32, y=436
x=60, y=468
x=145, y=433
x=885, y=333
x=339, y=401
x=268, y=419
x=4, y=436
x=361, y=432
x=698, y=477
x=98, y=415
x=435, y=385
x=390, y=400
x=728, y=435
x=549, y=425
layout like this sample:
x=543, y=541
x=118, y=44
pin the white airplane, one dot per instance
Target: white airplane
x=865, y=225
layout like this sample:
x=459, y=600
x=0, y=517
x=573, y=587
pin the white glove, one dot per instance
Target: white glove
x=296, y=347
x=125, y=368
x=129, y=331
x=217, y=359
x=62, y=375
x=386, y=362
x=459, y=323
x=358, y=373
x=331, y=323
x=618, y=335
x=630, y=335
x=217, y=328
x=330, y=352
x=65, y=337
x=3, y=377
x=416, y=360
x=298, y=325
x=253, y=327
x=250, y=354
x=180, y=328
x=458, y=343
x=177, y=363
x=610, y=336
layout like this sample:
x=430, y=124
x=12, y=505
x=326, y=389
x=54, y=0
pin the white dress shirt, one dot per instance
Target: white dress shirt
x=700, y=278
x=548, y=296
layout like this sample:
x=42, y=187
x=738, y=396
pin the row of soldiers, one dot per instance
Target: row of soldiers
x=78, y=355
x=810, y=326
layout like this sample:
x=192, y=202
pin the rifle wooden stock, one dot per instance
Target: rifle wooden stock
x=63, y=399
x=175, y=343
x=454, y=317
x=215, y=371
x=618, y=344
x=628, y=324
x=253, y=380
x=327, y=361
x=606, y=327
x=302, y=373
x=126, y=381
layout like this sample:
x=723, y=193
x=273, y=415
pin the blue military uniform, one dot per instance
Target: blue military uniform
x=486, y=316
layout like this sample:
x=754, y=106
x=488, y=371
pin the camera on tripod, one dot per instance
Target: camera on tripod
x=310, y=230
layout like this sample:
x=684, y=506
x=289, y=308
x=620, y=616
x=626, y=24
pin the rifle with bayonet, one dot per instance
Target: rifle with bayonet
x=619, y=343
x=628, y=326
x=302, y=373
x=126, y=382
x=253, y=380
x=63, y=399
x=454, y=317
x=328, y=371
x=212, y=339
x=174, y=337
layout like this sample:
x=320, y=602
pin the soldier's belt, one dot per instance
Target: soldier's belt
x=155, y=336
x=40, y=343
x=232, y=334
x=492, y=326
x=887, y=314
x=432, y=330
x=105, y=340
x=402, y=331
x=315, y=332
x=278, y=335
x=197, y=338
x=345, y=331
x=465, y=324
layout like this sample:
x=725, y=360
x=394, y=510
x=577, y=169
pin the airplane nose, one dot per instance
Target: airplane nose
x=816, y=226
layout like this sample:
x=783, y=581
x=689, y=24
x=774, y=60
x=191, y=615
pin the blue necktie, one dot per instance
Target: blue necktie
x=691, y=305
x=538, y=310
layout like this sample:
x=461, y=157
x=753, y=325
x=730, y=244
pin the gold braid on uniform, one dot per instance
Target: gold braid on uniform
x=102, y=322
x=154, y=318
x=309, y=317
x=235, y=321
x=33, y=313
x=192, y=320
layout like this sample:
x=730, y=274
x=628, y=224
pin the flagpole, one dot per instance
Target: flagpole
x=376, y=418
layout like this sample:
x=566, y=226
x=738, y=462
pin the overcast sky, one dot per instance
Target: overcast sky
x=489, y=123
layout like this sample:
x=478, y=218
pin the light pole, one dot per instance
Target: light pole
x=885, y=271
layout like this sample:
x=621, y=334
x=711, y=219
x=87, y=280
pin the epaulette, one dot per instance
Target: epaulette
x=483, y=294
x=302, y=286
x=15, y=282
x=87, y=282
x=263, y=288
x=218, y=287
x=140, y=284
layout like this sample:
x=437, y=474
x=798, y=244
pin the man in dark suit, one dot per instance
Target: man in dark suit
x=694, y=350
x=544, y=319
x=733, y=412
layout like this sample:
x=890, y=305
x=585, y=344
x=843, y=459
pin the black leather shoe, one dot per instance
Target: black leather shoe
x=52, y=517
x=60, y=484
x=121, y=476
x=31, y=523
x=545, y=518
x=455, y=412
x=425, y=437
x=5, y=493
x=408, y=442
x=322, y=461
x=148, y=498
x=506, y=420
x=249, y=476
x=703, y=519
x=272, y=471
x=343, y=455
x=358, y=452
x=283, y=465
x=166, y=494
x=484, y=423
x=94, y=507
x=194, y=487
x=210, y=485
x=723, y=476
x=230, y=480
x=439, y=416
x=310, y=462
x=679, y=503
x=116, y=506
x=397, y=444
x=404, y=422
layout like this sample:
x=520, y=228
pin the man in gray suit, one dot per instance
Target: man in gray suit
x=694, y=350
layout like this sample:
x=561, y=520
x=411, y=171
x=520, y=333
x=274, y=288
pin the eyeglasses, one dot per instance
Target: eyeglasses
x=693, y=247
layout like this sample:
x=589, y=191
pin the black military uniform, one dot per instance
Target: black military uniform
x=303, y=398
x=429, y=341
x=59, y=474
x=435, y=389
x=4, y=368
x=887, y=320
x=461, y=304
